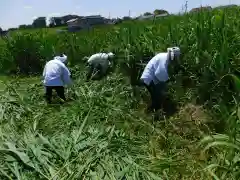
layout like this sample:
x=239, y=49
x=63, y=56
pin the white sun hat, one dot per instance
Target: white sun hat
x=62, y=58
x=111, y=55
x=174, y=52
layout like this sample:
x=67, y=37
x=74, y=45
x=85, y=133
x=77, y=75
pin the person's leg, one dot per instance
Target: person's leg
x=163, y=90
x=97, y=72
x=60, y=92
x=48, y=93
x=90, y=72
x=100, y=72
x=150, y=89
x=158, y=95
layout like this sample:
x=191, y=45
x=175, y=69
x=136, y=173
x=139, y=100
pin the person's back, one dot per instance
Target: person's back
x=156, y=69
x=100, y=58
x=155, y=76
x=53, y=73
x=55, y=76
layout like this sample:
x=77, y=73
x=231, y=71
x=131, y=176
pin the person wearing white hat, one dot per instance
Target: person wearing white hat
x=99, y=62
x=55, y=76
x=155, y=75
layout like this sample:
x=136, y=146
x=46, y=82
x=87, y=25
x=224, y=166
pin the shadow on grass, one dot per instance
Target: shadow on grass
x=169, y=106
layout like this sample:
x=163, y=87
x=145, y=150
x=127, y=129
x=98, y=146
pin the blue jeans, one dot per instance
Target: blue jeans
x=156, y=92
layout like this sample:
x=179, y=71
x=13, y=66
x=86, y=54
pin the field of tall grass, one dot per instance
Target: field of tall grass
x=104, y=133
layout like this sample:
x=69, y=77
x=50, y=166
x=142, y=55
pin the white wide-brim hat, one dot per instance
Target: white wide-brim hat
x=62, y=58
x=111, y=55
x=174, y=52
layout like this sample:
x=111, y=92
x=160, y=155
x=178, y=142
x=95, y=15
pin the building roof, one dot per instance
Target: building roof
x=93, y=17
x=226, y=6
x=72, y=20
x=162, y=15
x=152, y=16
x=146, y=17
x=86, y=17
x=201, y=8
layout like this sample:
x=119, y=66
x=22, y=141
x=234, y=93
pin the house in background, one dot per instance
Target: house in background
x=202, y=8
x=69, y=17
x=149, y=17
x=85, y=22
x=74, y=25
x=226, y=6
x=4, y=33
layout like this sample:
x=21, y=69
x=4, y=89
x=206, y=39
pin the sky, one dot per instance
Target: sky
x=16, y=12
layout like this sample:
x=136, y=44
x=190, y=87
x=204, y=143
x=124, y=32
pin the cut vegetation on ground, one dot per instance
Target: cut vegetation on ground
x=104, y=133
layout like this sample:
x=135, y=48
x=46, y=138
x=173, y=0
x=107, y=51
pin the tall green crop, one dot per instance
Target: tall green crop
x=209, y=42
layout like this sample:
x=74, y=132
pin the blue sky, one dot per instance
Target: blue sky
x=16, y=12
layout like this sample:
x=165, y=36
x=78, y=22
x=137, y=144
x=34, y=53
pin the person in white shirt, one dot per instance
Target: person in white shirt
x=99, y=62
x=55, y=76
x=155, y=75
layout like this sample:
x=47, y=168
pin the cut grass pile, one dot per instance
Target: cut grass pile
x=102, y=134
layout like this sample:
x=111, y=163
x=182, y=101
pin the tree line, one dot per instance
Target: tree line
x=41, y=22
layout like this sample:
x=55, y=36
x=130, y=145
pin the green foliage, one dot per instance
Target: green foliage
x=40, y=22
x=147, y=14
x=160, y=11
x=104, y=134
x=99, y=135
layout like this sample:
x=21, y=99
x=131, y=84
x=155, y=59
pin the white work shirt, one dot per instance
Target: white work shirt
x=100, y=58
x=55, y=73
x=156, y=69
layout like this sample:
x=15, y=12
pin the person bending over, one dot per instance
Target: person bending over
x=55, y=76
x=155, y=75
x=98, y=65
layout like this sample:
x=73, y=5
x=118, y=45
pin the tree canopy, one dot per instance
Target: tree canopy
x=40, y=22
x=160, y=11
x=147, y=14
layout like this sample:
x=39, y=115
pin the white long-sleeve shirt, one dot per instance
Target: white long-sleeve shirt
x=100, y=58
x=55, y=73
x=156, y=69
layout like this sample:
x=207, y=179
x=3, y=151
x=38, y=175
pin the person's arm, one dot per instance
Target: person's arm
x=66, y=76
x=90, y=71
x=86, y=58
x=93, y=59
x=44, y=73
x=161, y=73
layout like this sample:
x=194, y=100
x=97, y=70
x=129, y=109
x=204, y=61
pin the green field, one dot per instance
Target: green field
x=104, y=133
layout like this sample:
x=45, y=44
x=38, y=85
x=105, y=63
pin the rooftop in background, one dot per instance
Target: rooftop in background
x=152, y=16
x=201, y=8
x=86, y=17
x=93, y=16
x=227, y=6
x=72, y=20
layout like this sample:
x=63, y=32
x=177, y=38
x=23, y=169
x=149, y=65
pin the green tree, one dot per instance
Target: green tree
x=147, y=14
x=160, y=11
x=12, y=29
x=40, y=22
x=55, y=22
x=125, y=18
x=23, y=26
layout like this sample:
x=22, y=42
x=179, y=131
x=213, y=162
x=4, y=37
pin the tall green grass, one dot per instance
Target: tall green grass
x=104, y=134
x=209, y=43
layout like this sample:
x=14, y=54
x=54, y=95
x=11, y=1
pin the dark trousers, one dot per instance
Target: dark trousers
x=157, y=94
x=92, y=70
x=58, y=89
